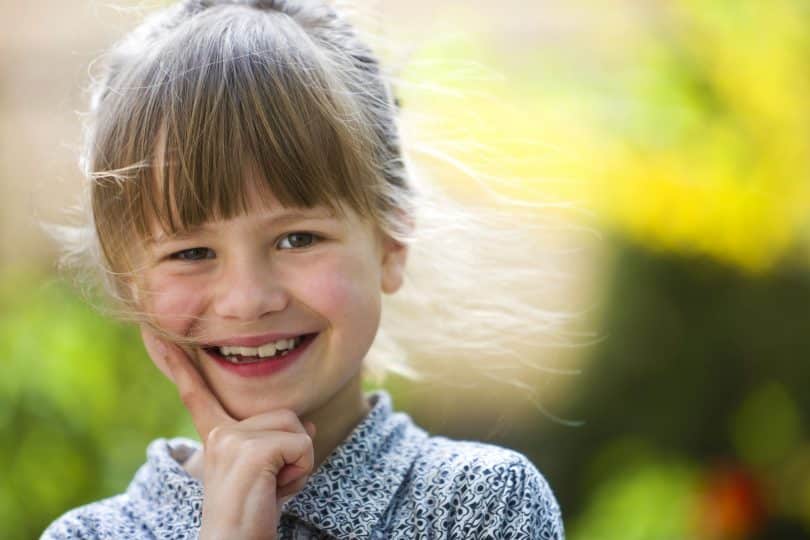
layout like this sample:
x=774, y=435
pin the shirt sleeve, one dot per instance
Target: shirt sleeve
x=99, y=520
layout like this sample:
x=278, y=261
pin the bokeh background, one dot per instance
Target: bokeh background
x=677, y=132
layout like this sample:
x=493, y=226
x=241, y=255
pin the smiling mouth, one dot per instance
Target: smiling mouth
x=252, y=355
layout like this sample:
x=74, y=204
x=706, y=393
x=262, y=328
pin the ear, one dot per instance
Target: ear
x=394, y=257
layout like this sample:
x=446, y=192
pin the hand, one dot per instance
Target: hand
x=251, y=466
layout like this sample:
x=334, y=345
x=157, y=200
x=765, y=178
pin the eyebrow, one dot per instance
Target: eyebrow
x=288, y=216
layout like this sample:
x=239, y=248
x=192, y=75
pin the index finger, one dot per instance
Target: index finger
x=205, y=409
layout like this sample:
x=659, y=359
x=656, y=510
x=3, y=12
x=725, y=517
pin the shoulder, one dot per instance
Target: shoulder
x=488, y=469
x=100, y=519
x=476, y=490
x=161, y=501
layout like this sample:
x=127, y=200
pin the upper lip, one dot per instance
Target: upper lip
x=255, y=341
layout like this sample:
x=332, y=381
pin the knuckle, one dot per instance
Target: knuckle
x=220, y=440
x=214, y=435
x=289, y=419
x=254, y=447
x=265, y=455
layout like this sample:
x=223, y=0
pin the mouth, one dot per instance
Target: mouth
x=273, y=350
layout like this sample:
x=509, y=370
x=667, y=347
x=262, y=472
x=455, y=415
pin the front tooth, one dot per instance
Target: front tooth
x=267, y=350
x=264, y=351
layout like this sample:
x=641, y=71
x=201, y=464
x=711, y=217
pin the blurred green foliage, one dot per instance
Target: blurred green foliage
x=79, y=400
x=696, y=399
x=683, y=125
x=642, y=501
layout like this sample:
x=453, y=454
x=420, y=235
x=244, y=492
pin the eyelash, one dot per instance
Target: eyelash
x=315, y=238
x=180, y=255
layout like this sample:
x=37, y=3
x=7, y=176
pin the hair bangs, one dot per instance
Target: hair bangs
x=237, y=111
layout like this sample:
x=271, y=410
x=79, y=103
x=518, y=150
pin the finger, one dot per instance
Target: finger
x=156, y=352
x=299, y=459
x=283, y=494
x=241, y=456
x=205, y=409
x=274, y=420
x=290, y=475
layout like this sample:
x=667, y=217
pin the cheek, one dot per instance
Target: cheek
x=329, y=291
x=342, y=290
x=174, y=303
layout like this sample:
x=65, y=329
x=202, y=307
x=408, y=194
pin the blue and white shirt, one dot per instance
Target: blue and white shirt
x=388, y=480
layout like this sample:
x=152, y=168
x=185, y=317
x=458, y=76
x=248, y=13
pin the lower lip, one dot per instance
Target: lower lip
x=265, y=367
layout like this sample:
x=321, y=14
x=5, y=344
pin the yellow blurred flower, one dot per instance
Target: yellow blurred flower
x=693, y=139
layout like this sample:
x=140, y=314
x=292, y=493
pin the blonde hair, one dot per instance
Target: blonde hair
x=204, y=88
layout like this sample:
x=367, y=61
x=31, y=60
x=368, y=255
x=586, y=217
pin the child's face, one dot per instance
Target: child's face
x=250, y=277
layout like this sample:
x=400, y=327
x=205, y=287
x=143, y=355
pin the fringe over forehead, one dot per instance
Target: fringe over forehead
x=193, y=102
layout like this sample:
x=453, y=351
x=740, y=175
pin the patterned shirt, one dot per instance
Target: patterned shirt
x=387, y=480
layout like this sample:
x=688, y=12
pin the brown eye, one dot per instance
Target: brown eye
x=193, y=254
x=297, y=240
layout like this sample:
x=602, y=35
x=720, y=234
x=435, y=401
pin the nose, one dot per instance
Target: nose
x=247, y=290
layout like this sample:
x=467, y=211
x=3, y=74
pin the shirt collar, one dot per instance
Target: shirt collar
x=350, y=491
x=346, y=497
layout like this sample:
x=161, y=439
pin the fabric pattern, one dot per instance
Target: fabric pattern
x=388, y=480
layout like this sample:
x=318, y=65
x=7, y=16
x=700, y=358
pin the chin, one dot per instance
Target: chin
x=242, y=404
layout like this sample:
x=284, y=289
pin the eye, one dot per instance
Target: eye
x=297, y=240
x=193, y=254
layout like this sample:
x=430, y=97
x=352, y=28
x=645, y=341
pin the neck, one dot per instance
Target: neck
x=334, y=421
x=337, y=418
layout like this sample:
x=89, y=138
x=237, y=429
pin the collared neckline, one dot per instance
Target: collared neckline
x=351, y=490
x=345, y=497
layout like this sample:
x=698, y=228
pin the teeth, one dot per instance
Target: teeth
x=266, y=350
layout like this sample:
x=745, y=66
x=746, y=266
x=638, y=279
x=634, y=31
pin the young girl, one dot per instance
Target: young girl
x=250, y=204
